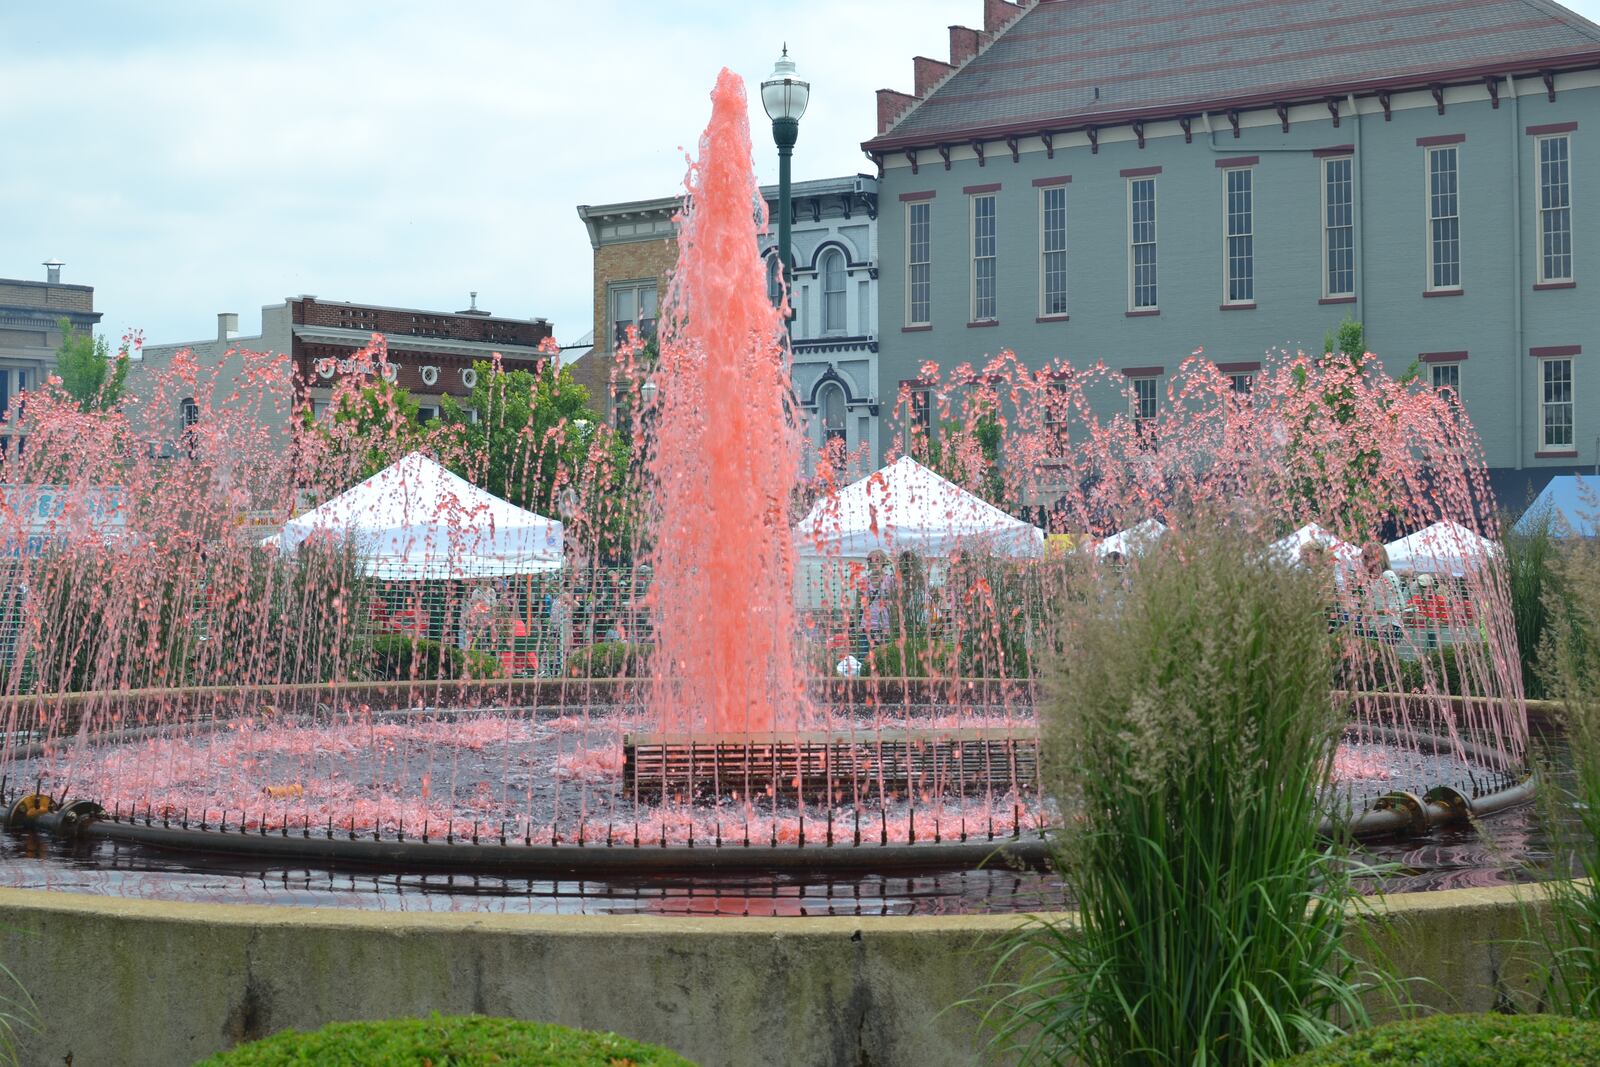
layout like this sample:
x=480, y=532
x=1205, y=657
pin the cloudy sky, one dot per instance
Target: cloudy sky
x=187, y=157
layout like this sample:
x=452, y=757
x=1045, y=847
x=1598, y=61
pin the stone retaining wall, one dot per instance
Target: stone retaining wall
x=122, y=983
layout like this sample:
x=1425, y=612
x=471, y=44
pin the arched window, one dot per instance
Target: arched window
x=833, y=319
x=774, y=288
x=830, y=402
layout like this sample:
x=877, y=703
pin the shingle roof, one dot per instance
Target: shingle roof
x=1162, y=55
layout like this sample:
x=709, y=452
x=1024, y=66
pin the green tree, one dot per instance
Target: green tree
x=87, y=370
x=371, y=428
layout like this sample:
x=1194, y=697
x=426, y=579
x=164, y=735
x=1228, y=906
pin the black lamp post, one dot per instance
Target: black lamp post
x=785, y=96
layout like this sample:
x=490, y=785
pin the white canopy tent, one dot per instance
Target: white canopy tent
x=1134, y=541
x=906, y=506
x=1443, y=548
x=1287, y=549
x=417, y=521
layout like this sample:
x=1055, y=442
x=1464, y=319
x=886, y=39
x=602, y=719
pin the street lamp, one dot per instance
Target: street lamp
x=785, y=96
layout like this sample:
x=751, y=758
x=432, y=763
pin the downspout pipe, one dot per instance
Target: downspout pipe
x=1519, y=346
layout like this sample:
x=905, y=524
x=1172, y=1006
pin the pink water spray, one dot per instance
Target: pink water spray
x=726, y=457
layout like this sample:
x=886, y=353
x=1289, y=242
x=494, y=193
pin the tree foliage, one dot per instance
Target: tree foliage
x=89, y=374
x=370, y=427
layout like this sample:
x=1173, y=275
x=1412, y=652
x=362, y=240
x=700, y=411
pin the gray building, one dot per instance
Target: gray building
x=834, y=297
x=1130, y=182
x=31, y=313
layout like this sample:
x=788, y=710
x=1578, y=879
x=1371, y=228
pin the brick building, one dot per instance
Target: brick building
x=432, y=352
x=30, y=329
x=635, y=248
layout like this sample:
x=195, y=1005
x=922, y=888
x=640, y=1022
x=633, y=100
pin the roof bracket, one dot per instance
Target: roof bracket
x=1138, y=131
x=871, y=200
x=877, y=161
x=848, y=203
x=977, y=146
x=911, y=154
x=1333, y=109
x=1016, y=149
x=1438, y=96
x=1233, y=120
x=944, y=154
x=1388, y=110
x=1049, y=140
x=1549, y=77
x=1492, y=83
x=1185, y=122
x=1093, y=133
x=816, y=209
x=1283, y=115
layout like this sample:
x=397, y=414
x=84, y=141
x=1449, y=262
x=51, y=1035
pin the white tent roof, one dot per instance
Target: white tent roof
x=1287, y=549
x=906, y=506
x=415, y=520
x=1134, y=541
x=1443, y=548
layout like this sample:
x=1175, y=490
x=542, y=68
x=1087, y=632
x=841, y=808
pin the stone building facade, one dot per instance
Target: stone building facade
x=1132, y=182
x=431, y=352
x=834, y=298
x=31, y=313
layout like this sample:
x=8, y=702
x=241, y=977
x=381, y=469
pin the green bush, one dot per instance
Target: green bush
x=1531, y=579
x=1464, y=1041
x=1188, y=731
x=396, y=657
x=909, y=657
x=608, y=659
x=444, y=1041
x=1445, y=670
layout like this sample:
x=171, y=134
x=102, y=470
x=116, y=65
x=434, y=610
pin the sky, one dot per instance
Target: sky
x=187, y=157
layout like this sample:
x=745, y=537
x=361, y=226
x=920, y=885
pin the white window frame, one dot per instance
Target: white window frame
x=636, y=287
x=1571, y=404
x=426, y=412
x=974, y=259
x=830, y=256
x=1247, y=235
x=1134, y=398
x=1248, y=377
x=1325, y=164
x=1427, y=178
x=842, y=434
x=1433, y=378
x=1539, y=210
x=1154, y=243
x=911, y=265
x=1045, y=252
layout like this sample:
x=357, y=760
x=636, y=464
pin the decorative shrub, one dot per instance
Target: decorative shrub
x=608, y=659
x=1188, y=730
x=1464, y=1041
x=1441, y=671
x=397, y=657
x=446, y=1041
x=909, y=657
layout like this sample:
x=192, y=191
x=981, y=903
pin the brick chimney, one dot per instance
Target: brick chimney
x=928, y=73
x=890, y=106
x=964, y=44
x=997, y=14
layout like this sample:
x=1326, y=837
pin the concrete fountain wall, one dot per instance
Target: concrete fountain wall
x=130, y=982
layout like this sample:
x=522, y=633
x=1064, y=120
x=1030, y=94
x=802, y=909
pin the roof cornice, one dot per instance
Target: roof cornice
x=1516, y=66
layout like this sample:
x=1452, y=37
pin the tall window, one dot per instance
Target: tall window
x=1053, y=250
x=1339, y=227
x=1241, y=383
x=1447, y=379
x=1444, y=220
x=1239, y=209
x=833, y=317
x=830, y=404
x=1142, y=399
x=918, y=264
x=1142, y=243
x=1555, y=209
x=1555, y=407
x=190, y=412
x=983, y=259
x=633, y=304
x=774, y=282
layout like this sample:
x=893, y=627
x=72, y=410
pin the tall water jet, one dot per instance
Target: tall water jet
x=725, y=457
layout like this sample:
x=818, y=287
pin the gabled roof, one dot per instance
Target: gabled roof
x=1070, y=63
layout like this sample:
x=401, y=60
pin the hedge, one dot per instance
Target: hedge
x=608, y=659
x=397, y=657
x=444, y=1041
x=1464, y=1041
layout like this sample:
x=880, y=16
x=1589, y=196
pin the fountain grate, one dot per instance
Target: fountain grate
x=833, y=765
